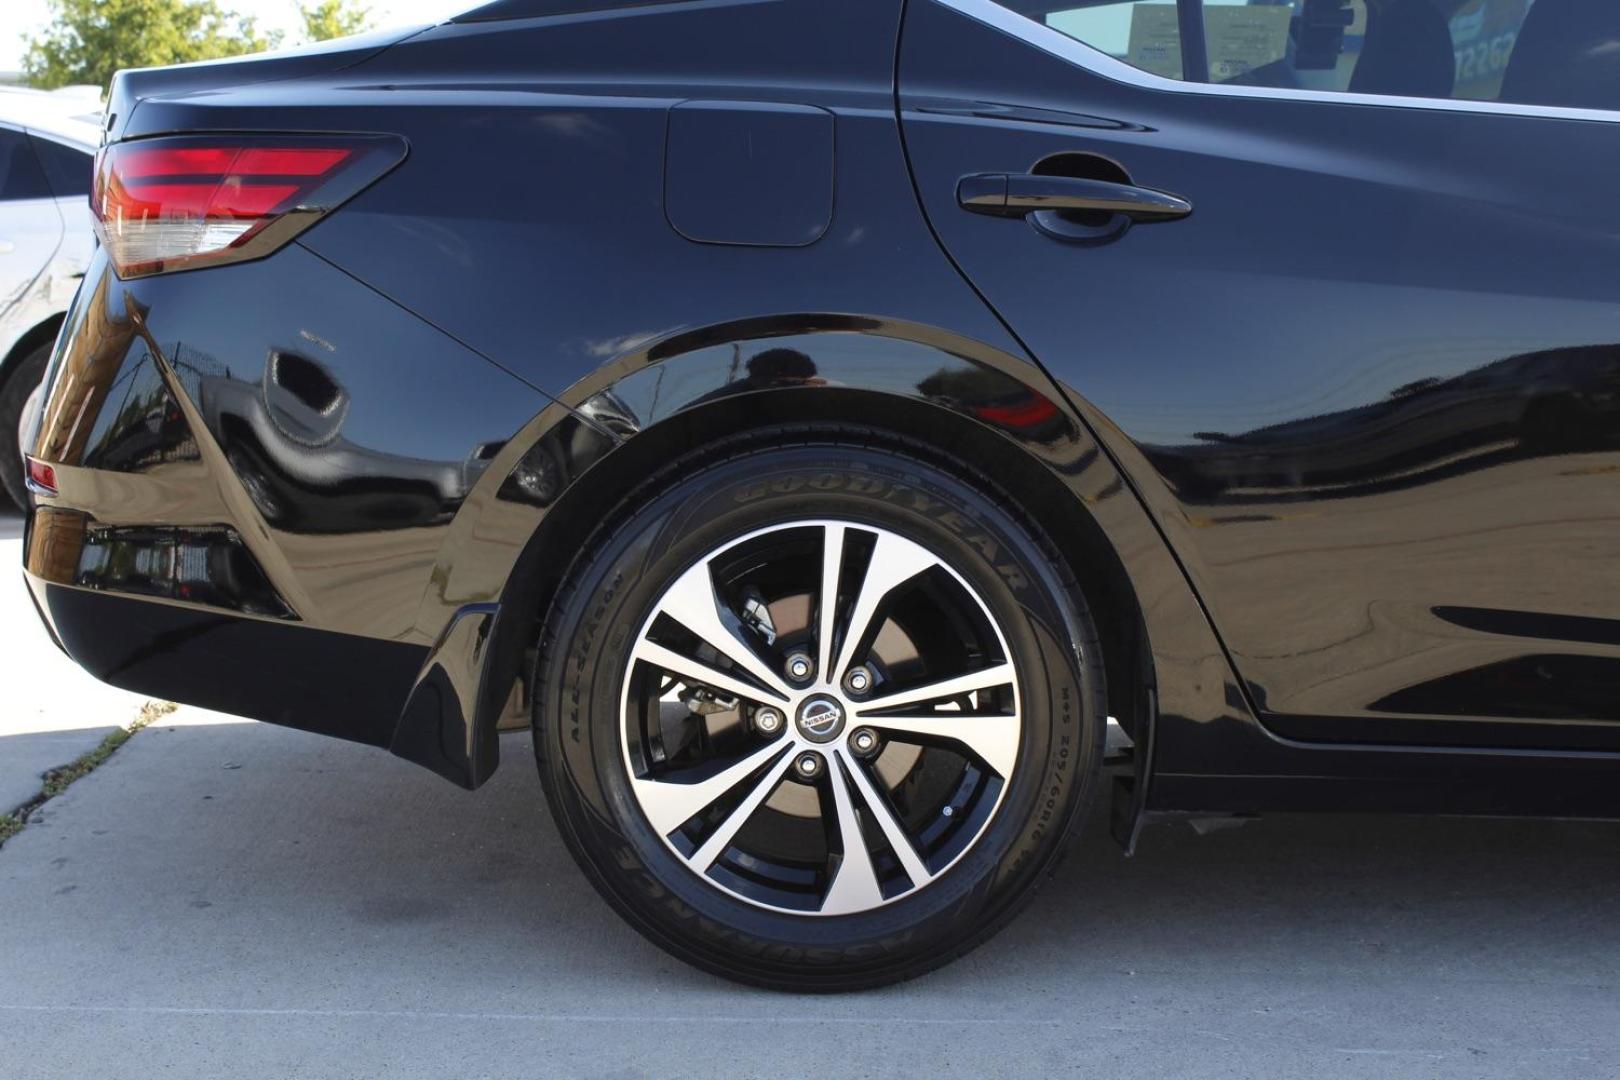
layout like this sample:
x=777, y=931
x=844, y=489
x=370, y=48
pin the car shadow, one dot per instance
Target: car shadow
x=280, y=848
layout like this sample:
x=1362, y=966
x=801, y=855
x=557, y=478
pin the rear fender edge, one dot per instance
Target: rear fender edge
x=514, y=539
x=436, y=728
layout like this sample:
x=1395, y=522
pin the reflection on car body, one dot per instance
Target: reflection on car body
x=826, y=427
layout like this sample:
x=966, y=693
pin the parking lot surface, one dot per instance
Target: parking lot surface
x=52, y=711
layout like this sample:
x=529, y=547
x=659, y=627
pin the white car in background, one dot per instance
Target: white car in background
x=47, y=145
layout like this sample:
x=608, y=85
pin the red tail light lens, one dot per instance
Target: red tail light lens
x=41, y=477
x=182, y=203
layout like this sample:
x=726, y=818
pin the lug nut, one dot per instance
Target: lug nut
x=858, y=681
x=863, y=741
x=800, y=667
x=808, y=766
x=769, y=721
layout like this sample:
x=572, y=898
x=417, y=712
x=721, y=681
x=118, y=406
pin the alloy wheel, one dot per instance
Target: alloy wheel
x=820, y=717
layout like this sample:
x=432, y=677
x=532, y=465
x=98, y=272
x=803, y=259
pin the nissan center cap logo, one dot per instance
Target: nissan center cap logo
x=820, y=718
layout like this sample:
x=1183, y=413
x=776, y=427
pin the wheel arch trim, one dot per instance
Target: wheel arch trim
x=671, y=392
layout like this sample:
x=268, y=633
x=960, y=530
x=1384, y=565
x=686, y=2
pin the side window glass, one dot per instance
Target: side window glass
x=1143, y=33
x=68, y=170
x=20, y=174
x=1535, y=52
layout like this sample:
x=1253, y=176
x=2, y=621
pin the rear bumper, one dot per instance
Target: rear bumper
x=260, y=473
x=334, y=684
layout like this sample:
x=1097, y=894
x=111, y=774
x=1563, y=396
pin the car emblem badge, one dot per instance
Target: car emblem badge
x=821, y=718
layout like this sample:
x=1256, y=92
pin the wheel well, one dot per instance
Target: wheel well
x=43, y=334
x=921, y=429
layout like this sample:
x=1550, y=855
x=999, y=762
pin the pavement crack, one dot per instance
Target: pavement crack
x=59, y=779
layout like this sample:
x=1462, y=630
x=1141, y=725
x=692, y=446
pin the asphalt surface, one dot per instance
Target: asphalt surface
x=225, y=898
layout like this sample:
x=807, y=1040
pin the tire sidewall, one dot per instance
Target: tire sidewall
x=579, y=737
x=25, y=374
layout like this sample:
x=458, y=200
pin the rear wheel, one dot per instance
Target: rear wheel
x=818, y=717
x=21, y=381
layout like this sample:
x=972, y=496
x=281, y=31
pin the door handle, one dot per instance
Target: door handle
x=1015, y=195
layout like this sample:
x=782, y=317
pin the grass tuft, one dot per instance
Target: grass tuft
x=58, y=780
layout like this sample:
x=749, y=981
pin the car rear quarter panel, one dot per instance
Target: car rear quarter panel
x=530, y=223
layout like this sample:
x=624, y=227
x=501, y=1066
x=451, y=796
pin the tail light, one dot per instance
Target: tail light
x=181, y=203
x=40, y=477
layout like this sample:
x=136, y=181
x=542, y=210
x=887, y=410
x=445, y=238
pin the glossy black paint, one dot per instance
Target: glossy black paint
x=336, y=684
x=669, y=396
x=332, y=434
x=719, y=156
x=207, y=565
x=1373, y=375
x=1333, y=453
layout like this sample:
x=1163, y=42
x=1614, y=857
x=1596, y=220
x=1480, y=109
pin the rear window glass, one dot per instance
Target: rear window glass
x=20, y=174
x=67, y=169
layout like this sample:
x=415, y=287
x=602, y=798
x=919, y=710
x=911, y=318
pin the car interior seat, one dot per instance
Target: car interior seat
x=1568, y=54
x=1407, y=51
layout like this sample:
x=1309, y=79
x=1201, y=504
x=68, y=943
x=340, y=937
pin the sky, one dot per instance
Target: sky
x=20, y=18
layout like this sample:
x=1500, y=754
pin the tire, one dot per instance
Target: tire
x=743, y=888
x=20, y=381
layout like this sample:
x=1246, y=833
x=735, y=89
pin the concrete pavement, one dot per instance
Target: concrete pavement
x=227, y=898
x=50, y=711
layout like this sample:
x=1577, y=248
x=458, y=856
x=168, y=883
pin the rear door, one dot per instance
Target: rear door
x=1339, y=283
x=30, y=224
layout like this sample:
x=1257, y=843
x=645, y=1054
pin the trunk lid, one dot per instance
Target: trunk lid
x=132, y=86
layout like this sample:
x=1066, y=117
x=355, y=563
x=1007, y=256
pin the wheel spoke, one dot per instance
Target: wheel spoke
x=854, y=886
x=985, y=679
x=724, y=832
x=690, y=670
x=994, y=739
x=832, y=564
x=893, y=830
x=692, y=602
x=895, y=560
x=668, y=804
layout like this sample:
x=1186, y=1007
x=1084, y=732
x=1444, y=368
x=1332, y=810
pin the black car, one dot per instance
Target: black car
x=825, y=415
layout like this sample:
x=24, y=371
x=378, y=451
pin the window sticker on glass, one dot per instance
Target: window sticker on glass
x=1155, y=40
x=1241, y=39
x=1482, y=36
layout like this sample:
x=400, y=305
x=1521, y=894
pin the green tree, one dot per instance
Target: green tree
x=334, y=18
x=88, y=40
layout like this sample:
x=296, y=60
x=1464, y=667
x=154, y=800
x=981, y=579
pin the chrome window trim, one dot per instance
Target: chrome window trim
x=1077, y=52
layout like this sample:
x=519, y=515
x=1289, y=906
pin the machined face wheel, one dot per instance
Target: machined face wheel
x=820, y=717
x=817, y=714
